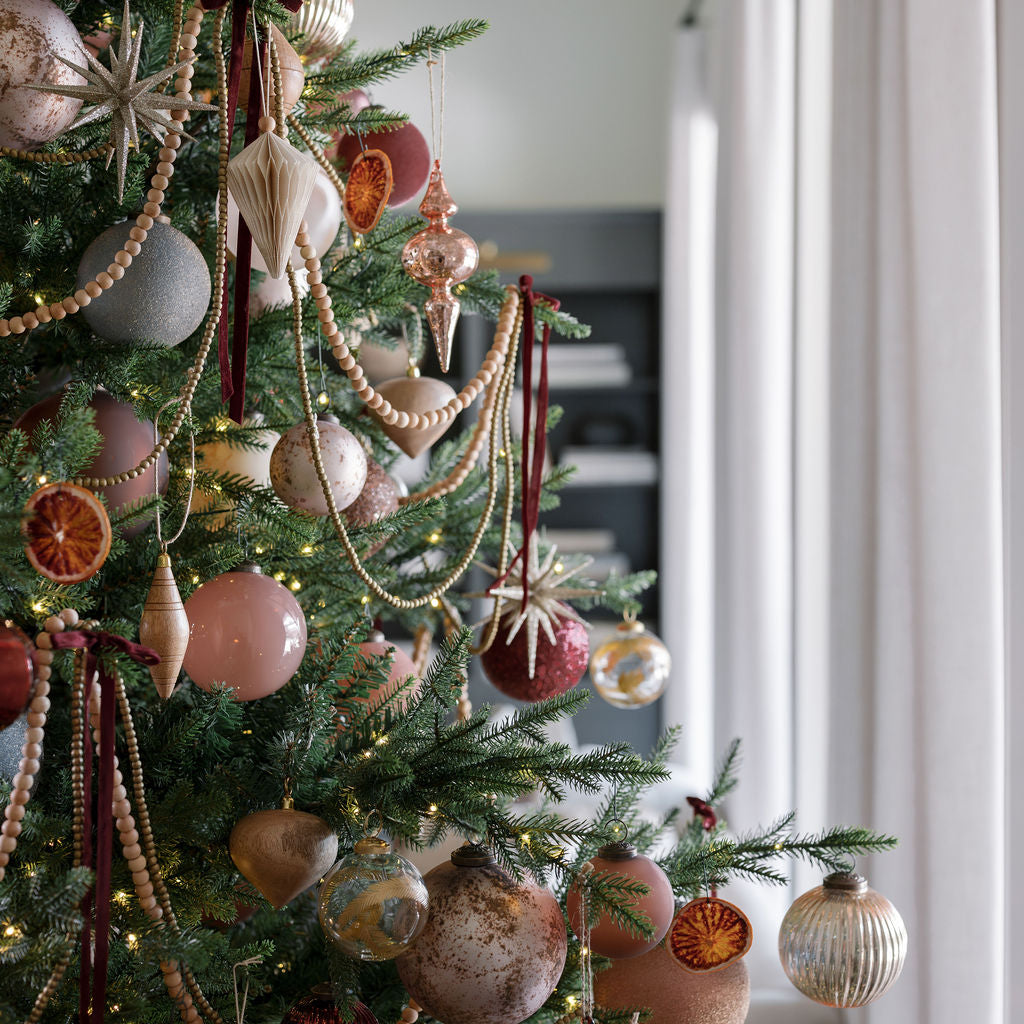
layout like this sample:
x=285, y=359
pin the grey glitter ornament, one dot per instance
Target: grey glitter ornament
x=11, y=741
x=163, y=295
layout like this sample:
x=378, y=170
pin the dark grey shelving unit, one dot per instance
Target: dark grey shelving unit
x=605, y=267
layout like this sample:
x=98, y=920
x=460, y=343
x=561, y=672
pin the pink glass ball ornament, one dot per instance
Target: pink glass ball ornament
x=247, y=631
x=631, y=668
x=440, y=256
x=842, y=944
x=294, y=475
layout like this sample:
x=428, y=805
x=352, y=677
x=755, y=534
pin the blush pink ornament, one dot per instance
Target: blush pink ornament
x=32, y=34
x=608, y=938
x=401, y=668
x=247, y=631
x=492, y=951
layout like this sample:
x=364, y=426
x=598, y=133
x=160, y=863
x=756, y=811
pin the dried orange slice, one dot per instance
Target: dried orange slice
x=709, y=934
x=367, y=190
x=67, y=532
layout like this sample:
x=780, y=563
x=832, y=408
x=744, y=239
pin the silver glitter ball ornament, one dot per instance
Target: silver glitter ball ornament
x=163, y=295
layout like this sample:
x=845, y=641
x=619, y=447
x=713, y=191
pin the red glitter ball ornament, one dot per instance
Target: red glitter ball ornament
x=560, y=666
x=15, y=673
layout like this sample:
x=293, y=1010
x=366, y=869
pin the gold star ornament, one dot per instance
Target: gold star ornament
x=117, y=92
x=547, y=593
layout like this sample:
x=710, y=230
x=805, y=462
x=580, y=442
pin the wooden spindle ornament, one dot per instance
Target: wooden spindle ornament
x=164, y=626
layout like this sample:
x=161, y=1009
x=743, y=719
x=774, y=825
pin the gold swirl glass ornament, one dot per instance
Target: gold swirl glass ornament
x=632, y=668
x=373, y=903
x=324, y=25
x=842, y=944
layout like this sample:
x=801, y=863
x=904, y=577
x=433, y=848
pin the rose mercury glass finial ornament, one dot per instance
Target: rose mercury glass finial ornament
x=440, y=256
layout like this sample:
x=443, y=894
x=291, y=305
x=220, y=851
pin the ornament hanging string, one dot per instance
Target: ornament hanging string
x=436, y=116
x=532, y=473
x=709, y=819
x=92, y=991
x=240, y=1003
x=165, y=544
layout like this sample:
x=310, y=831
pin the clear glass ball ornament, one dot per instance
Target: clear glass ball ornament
x=632, y=668
x=373, y=903
x=842, y=944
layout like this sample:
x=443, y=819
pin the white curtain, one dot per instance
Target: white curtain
x=857, y=488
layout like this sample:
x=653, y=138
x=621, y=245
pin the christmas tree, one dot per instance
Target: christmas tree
x=121, y=271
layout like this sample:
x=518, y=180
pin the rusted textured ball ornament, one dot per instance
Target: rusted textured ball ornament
x=163, y=295
x=247, y=631
x=32, y=33
x=15, y=672
x=492, y=951
x=559, y=667
x=126, y=442
x=294, y=476
x=608, y=938
x=675, y=996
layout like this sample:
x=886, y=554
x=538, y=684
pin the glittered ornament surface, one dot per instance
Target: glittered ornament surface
x=492, y=951
x=379, y=497
x=675, y=996
x=163, y=295
x=559, y=666
x=33, y=34
x=319, y=1008
x=12, y=738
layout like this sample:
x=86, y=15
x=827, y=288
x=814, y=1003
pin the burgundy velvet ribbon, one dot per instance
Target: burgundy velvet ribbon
x=233, y=366
x=704, y=811
x=92, y=982
x=532, y=472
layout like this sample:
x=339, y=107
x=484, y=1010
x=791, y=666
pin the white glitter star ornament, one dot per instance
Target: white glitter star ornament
x=545, y=604
x=129, y=102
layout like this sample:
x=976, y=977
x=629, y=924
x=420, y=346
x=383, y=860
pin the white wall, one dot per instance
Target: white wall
x=560, y=105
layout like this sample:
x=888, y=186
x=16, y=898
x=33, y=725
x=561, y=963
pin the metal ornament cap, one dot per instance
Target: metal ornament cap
x=846, y=881
x=472, y=855
x=619, y=850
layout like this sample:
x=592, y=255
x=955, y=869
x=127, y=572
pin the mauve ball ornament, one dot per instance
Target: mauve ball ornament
x=492, y=951
x=126, y=442
x=405, y=147
x=608, y=938
x=163, y=296
x=842, y=944
x=32, y=34
x=294, y=476
x=673, y=995
x=247, y=631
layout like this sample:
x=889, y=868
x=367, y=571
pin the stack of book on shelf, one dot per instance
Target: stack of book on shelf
x=587, y=365
x=599, y=544
x=600, y=466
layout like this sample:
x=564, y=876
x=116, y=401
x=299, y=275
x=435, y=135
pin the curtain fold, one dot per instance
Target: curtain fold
x=855, y=547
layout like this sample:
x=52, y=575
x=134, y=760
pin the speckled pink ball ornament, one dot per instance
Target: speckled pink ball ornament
x=245, y=630
x=32, y=34
x=491, y=952
x=379, y=497
x=294, y=476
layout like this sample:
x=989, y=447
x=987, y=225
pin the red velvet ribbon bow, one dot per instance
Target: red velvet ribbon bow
x=92, y=985
x=703, y=810
x=533, y=456
x=233, y=367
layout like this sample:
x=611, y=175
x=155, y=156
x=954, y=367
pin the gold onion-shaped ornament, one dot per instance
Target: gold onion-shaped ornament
x=282, y=851
x=271, y=182
x=164, y=626
x=440, y=256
